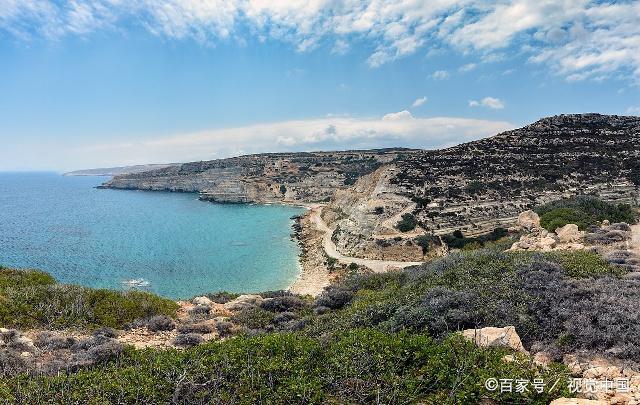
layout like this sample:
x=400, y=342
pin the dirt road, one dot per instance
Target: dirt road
x=377, y=266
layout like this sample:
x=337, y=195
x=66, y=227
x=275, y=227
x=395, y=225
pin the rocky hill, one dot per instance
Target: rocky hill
x=269, y=177
x=478, y=186
x=474, y=187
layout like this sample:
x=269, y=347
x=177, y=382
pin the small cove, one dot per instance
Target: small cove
x=170, y=243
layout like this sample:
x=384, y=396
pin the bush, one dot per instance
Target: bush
x=584, y=211
x=544, y=295
x=33, y=299
x=407, y=223
x=222, y=297
x=188, y=339
x=359, y=366
x=200, y=328
x=457, y=240
x=334, y=298
x=283, y=303
x=224, y=329
x=426, y=241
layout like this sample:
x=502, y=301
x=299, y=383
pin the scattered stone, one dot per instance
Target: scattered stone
x=202, y=301
x=244, y=301
x=529, y=220
x=569, y=233
x=542, y=359
x=491, y=337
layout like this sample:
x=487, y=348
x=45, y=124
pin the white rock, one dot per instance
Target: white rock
x=490, y=337
x=201, y=301
x=529, y=220
x=244, y=301
x=569, y=233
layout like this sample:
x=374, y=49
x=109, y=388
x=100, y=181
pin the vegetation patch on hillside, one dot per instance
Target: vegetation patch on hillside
x=357, y=366
x=33, y=299
x=584, y=211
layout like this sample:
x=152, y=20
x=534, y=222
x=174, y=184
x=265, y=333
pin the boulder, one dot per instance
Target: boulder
x=243, y=302
x=491, y=337
x=528, y=220
x=545, y=244
x=569, y=233
x=202, y=301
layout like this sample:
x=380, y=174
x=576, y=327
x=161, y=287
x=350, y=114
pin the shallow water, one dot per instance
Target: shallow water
x=176, y=244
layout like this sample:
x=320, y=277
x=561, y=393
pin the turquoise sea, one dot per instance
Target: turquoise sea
x=170, y=243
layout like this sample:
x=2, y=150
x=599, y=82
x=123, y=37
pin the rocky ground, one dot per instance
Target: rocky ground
x=597, y=380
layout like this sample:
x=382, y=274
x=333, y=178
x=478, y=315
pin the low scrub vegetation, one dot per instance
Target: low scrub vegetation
x=31, y=299
x=584, y=212
x=379, y=337
x=357, y=366
x=560, y=302
x=407, y=223
x=457, y=240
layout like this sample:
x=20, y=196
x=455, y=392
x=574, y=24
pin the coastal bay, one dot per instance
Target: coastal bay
x=167, y=243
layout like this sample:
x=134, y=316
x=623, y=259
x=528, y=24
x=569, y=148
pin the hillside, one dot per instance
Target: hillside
x=474, y=187
x=480, y=186
x=293, y=177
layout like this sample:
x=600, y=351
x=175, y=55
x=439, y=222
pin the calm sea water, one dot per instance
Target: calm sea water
x=178, y=245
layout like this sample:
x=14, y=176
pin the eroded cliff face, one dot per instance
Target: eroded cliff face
x=484, y=184
x=474, y=187
x=281, y=177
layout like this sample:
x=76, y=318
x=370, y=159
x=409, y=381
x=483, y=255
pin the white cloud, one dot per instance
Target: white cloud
x=440, y=75
x=420, y=101
x=579, y=39
x=633, y=110
x=468, y=67
x=329, y=133
x=398, y=116
x=489, y=102
x=340, y=47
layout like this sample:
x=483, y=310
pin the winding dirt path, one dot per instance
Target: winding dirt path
x=377, y=266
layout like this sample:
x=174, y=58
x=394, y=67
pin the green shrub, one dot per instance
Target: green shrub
x=475, y=187
x=457, y=240
x=33, y=299
x=560, y=217
x=426, y=242
x=359, y=366
x=544, y=295
x=407, y=223
x=583, y=264
x=584, y=211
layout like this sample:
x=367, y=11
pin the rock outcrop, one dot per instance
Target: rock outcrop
x=528, y=220
x=492, y=337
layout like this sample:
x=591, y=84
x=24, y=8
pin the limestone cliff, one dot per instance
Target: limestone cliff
x=277, y=177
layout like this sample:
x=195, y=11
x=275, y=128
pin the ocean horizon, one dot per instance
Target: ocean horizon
x=170, y=244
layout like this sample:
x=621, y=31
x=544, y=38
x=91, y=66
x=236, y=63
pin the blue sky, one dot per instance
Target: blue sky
x=94, y=83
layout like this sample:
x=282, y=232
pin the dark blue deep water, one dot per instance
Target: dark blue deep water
x=177, y=245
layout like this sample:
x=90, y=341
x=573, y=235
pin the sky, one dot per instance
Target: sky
x=101, y=83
